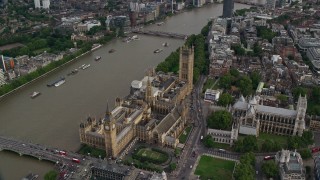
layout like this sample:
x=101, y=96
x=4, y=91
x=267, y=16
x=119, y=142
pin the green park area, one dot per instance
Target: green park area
x=184, y=135
x=213, y=168
x=282, y=140
x=151, y=155
x=209, y=84
x=98, y=153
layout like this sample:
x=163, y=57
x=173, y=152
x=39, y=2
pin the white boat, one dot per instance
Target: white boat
x=35, y=94
x=62, y=81
x=160, y=23
x=165, y=44
x=157, y=50
x=135, y=37
x=86, y=66
x=82, y=66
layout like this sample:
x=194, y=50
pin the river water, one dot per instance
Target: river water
x=53, y=118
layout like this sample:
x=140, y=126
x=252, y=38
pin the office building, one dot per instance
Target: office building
x=228, y=6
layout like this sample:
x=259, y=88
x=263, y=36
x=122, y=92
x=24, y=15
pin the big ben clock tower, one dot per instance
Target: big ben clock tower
x=110, y=134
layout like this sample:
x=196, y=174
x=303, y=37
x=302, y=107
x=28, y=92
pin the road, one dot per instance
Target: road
x=194, y=148
x=64, y=163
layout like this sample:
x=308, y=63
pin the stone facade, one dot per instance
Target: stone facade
x=154, y=112
x=254, y=117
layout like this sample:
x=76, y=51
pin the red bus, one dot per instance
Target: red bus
x=314, y=150
x=62, y=153
x=75, y=160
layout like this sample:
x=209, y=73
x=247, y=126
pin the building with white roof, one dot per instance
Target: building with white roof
x=211, y=95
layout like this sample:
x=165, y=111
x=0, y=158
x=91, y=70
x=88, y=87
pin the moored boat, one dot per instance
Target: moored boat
x=86, y=66
x=53, y=83
x=160, y=23
x=35, y=94
x=62, y=81
x=31, y=176
x=97, y=58
x=73, y=72
x=112, y=50
x=157, y=50
x=165, y=44
x=135, y=37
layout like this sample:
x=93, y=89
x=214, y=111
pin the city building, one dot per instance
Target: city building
x=37, y=4
x=228, y=6
x=86, y=26
x=3, y=3
x=314, y=56
x=254, y=117
x=317, y=167
x=225, y=136
x=154, y=112
x=2, y=78
x=306, y=43
x=315, y=123
x=270, y=4
x=290, y=165
x=45, y=4
x=211, y=95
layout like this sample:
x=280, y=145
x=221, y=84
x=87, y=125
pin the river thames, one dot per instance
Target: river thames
x=53, y=118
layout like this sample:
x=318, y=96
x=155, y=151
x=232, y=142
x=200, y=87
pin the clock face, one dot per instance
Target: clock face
x=106, y=127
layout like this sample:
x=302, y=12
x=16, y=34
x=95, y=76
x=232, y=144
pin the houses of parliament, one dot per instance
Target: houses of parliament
x=154, y=112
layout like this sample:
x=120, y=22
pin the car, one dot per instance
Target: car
x=222, y=150
x=201, y=137
x=257, y=172
x=191, y=166
x=268, y=157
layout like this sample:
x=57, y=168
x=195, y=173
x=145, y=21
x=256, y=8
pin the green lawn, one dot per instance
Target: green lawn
x=282, y=140
x=85, y=149
x=213, y=168
x=152, y=154
x=222, y=146
x=208, y=84
x=39, y=51
x=184, y=135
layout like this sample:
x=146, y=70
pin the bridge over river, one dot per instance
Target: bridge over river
x=160, y=33
x=68, y=168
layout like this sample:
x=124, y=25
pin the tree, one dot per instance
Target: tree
x=234, y=72
x=305, y=153
x=250, y=143
x=225, y=99
x=245, y=85
x=238, y=50
x=265, y=33
x=225, y=81
x=208, y=141
x=295, y=142
x=299, y=91
x=270, y=146
x=172, y=166
x=307, y=137
x=255, y=78
x=270, y=169
x=220, y=120
x=257, y=50
x=316, y=94
x=244, y=171
x=248, y=158
x=51, y=175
